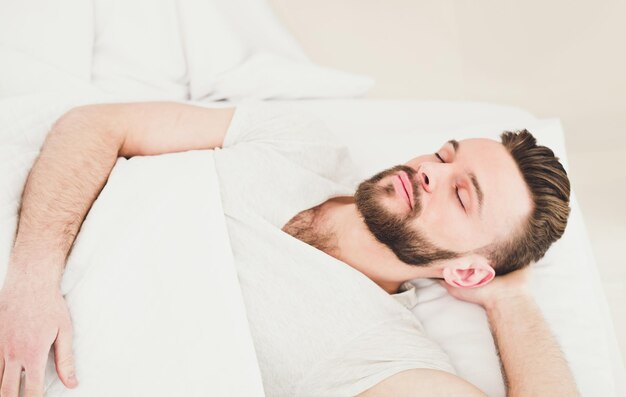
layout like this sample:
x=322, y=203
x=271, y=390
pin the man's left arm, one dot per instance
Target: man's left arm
x=72, y=168
x=532, y=361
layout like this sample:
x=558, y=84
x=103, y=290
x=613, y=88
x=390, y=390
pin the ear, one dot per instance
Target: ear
x=468, y=271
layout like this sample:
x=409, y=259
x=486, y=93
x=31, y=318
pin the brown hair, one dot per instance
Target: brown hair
x=550, y=190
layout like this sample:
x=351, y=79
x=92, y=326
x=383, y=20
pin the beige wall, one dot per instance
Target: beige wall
x=556, y=58
x=564, y=58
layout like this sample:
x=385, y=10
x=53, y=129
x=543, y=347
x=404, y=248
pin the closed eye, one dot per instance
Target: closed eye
x=456, y=188
x=459, y=197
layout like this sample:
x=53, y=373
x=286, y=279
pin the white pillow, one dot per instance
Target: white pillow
x=206, y=50
x=44, y=45
x=138, y=49
x=22, y=73
x=268, y=76
x=160, y=50
x=258, y=27
x=236, y=49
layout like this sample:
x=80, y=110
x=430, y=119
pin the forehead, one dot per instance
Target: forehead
x=507, y=200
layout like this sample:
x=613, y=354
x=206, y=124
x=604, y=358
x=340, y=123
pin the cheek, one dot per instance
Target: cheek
x=446, y=229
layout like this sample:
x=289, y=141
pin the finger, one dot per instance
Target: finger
x=64, y=357
x=33, y=383
x=11, y=379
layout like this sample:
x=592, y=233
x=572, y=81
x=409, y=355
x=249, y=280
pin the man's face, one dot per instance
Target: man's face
x=464, y=197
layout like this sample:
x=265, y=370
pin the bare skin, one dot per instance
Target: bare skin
x=527, y=348
x=78, y=156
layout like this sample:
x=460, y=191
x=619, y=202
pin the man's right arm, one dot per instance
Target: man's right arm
x=531, y=358
x=532, y=361
x=72, y=168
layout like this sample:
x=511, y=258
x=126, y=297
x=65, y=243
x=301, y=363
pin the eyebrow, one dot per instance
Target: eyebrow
x=479, y=191
x=454, y=143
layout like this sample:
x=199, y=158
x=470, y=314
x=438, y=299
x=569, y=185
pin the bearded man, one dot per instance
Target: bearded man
x=323, y=267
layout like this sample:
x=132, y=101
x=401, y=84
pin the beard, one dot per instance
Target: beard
x=393, y=230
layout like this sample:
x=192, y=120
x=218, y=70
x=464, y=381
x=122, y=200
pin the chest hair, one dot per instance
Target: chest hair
x=306, y=226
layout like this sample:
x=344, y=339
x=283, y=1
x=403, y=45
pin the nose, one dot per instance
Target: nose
x=427, y=178
x=425, y=181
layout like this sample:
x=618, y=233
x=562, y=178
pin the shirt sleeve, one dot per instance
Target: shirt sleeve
x=259, y=121
x=277, y=161
x=293, y=133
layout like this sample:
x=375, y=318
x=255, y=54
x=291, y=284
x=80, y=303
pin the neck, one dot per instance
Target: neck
x=353, y=243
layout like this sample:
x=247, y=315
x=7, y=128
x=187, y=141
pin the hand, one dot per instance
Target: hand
x=501, y=288
x=32, y=318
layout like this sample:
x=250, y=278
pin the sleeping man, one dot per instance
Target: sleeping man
x=323, y=260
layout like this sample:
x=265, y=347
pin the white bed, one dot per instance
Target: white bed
x=150, y=322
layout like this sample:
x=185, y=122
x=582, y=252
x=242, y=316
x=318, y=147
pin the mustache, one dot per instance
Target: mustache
x=392, y=171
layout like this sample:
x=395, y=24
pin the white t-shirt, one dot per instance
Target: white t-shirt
x=320, y=327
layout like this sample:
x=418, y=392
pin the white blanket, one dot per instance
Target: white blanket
x=151, y=285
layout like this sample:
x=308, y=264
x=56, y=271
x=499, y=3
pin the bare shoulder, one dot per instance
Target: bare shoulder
x=423, y=383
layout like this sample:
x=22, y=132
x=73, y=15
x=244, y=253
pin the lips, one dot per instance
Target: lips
x=407, y=186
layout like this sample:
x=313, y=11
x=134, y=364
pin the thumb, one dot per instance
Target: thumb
x=64, y=357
